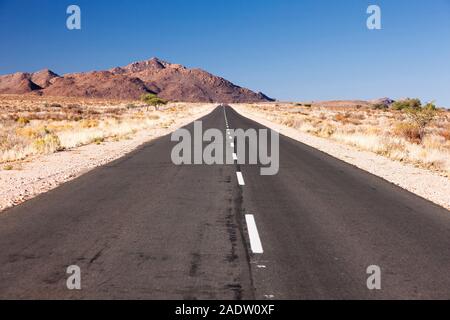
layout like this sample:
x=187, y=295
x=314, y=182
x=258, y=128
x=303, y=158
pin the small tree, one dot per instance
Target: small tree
x=153, y=100
x=422, y=116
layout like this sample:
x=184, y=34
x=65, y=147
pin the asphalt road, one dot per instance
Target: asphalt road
x=142, y=227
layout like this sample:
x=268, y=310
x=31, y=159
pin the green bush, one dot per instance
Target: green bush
x=153, y=100
x=430, y=106
x=422, y=116
x=419, y=117
x=406, y=104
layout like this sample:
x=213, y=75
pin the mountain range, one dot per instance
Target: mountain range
x=169, y=81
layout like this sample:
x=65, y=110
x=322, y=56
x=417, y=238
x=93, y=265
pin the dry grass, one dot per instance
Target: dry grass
x=386, y=132
x=32, y=125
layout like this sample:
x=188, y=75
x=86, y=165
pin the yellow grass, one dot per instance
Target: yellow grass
x=385, y=132
x=32, y=125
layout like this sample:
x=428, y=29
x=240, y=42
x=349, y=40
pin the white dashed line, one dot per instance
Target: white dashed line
x=255, y=242
x=240, y=178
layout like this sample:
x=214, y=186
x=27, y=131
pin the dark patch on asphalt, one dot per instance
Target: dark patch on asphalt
x=195, y=262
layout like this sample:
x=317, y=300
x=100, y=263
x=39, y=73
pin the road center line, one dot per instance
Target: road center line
x=255, y=241
x=240, y=178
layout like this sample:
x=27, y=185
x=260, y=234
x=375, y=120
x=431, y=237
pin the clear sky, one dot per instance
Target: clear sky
x=288, y=49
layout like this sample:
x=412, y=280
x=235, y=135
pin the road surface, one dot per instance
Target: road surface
x=142, y=227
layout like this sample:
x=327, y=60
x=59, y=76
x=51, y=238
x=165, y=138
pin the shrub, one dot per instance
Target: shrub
x=406, y=104
x=289, y=122
x=326, y=131
x=409, y=131
x=339, y=117
x=48, y=144
x=98, y=140
x=23, y=121
x=379, y=106
x=430, y=106
x=153, y=100
x=89, y=123
x=421, y=117
x=445, y=133
x=8, y=167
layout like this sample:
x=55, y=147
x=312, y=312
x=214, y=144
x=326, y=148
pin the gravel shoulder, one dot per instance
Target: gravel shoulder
x=42, y=173
x=427, y=184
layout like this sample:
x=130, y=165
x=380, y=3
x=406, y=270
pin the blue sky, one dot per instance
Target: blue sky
x=288, y=49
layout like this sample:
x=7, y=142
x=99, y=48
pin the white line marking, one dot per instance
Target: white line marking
x=240, y=178
x=232, y=144
x=230, y=137
x=255, y=242
x=234, y=156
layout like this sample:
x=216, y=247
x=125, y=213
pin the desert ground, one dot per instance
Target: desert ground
x=390, y=133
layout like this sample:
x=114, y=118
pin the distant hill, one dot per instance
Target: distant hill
x=170, y=81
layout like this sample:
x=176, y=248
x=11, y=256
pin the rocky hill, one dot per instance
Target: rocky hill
x=173, y=82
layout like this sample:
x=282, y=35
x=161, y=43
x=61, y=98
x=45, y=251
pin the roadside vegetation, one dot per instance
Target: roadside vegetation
x=406, y=131
x=32, y=125
x=153, y=100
